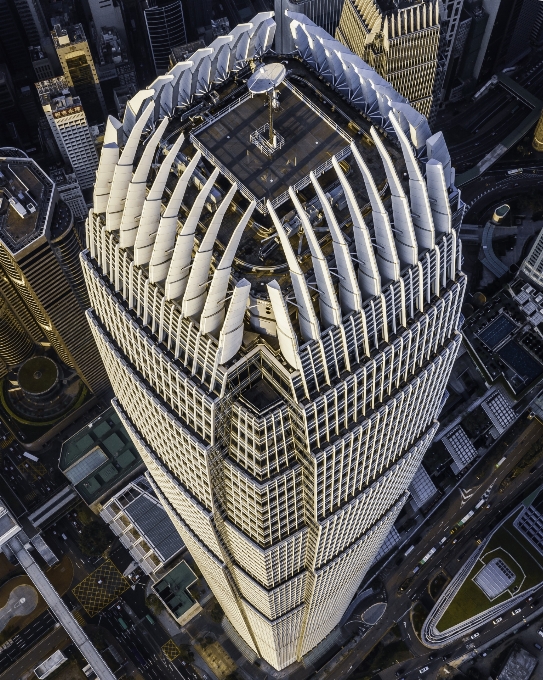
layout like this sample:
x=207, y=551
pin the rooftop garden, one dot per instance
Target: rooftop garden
x=518, y=554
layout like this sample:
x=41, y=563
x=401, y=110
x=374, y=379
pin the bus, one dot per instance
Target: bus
x=122, y=623
x=427, y=556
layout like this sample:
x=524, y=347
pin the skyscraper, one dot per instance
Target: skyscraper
x=399, y=40
x=165, y=29
x=70, y=128
x=40, y=272
x=278, y=351
x=78, y=68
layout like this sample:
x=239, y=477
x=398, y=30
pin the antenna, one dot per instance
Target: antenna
x=265, y=80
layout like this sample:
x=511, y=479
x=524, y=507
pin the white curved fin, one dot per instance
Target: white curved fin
x=231, y=335
x=123, y=172
x=349, y=292
x=309, y=324
x=213, y=312
x=368, y=271
x=439, y=199
x=328, y=304
x=165, y=239
x=288, y=343
x=176, y=280
x=109, y=158
x=150, y=214
x=404, y=232
x=420, y=205
x=137, y=189
x=387, y=255
x=195, y=294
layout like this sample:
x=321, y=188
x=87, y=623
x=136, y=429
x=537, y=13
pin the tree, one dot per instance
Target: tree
x=186, y=653
x=95, y=538
x=154, y=603
x=216, y=613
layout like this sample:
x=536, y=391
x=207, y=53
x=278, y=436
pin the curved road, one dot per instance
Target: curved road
x=450, y=557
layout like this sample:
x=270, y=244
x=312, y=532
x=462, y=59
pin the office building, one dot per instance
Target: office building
x=281, y=387
x=70, y=128
x=70, y=192
x=107, y=13
x=165, y=29
x=400, y=41
x=78, y=68
x=324, y=13
x=41, y=64
x=532, y=267
x=138, y=518
x=40, y=276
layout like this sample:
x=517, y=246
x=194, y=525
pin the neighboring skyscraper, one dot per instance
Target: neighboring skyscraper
x=107, y=13
x=79, y=70
x=282, y=440
x=323, y=13
x=401, y=42
x=69, y=125
x=165, y=29
x=532, y=267
x=40, y=270
x=41, y=64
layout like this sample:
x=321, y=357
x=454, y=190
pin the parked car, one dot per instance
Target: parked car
x=517, y=611
x=475, y=635
x=538, y=646
x=423, y=670
x=496, y=621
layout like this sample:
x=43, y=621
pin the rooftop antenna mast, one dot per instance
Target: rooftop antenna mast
x=265, y=80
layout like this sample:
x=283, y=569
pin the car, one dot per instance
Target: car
x=517, y=611
x=423, y=670
x=475, y=635
x=538, y=646
x=540, y=632
x=431, y=657
x=496, y=621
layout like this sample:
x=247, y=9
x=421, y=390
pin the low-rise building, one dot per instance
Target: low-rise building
x=137, y=517
x=520, y=665
x=99, y=459
x=173, y=591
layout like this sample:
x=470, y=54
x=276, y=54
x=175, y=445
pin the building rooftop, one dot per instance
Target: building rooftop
x=26, y=201
x=99, y=457
x=64, y=35
x=519, y=666
x=173, y=589
x=143, y=509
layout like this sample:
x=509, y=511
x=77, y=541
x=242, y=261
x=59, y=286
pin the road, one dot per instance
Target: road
x=139, y=644
x=447, y=557
x=26, y=639
x=57, y=639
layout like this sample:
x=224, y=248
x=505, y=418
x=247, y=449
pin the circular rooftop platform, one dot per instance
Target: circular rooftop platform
x=266, y=78
x=374, y=613
x=38, y=375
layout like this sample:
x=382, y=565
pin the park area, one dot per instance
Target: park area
x=517, y=553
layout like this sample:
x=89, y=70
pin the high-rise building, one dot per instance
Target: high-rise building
x=278, y=350
x=165, y=29
x=400, y=41
x=78, y=68
x=107, y=13
x=532, y=267
x=70, y=128
x=40, y=272
x=324, y=13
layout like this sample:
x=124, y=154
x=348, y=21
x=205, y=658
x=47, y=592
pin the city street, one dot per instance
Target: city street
x=439, y=526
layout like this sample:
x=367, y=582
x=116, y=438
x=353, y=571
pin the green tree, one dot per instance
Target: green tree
x=95, y=538
x=154, y=603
